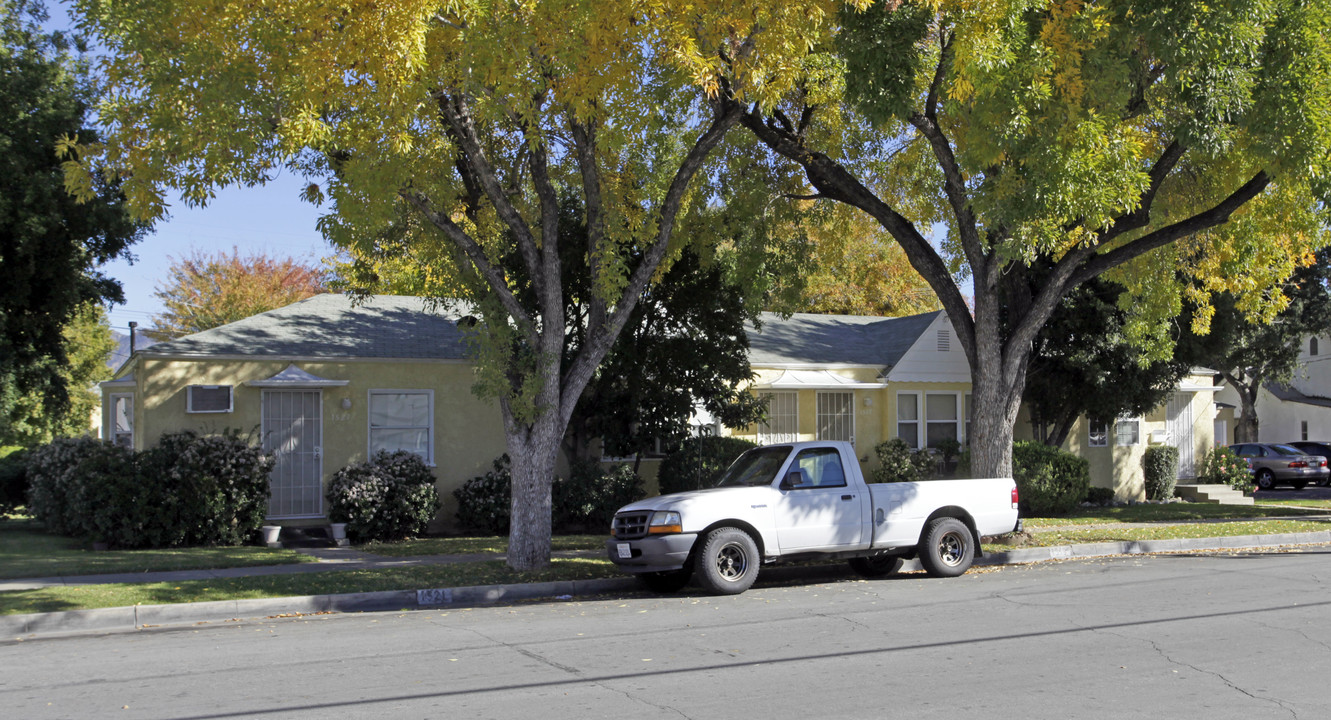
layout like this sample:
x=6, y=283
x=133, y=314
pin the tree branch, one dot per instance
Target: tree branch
x=584, y=144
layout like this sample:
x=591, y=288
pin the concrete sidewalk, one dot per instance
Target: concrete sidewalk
x=334, y=559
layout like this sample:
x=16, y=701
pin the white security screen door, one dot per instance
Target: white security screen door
x=293, y=433
x=1179, y=426
x=782, y=423
x=836, y=416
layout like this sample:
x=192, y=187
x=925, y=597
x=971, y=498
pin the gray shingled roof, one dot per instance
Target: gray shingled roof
x=828, y=339
x=389, y=326
x=328, y=326
x=1289, y=394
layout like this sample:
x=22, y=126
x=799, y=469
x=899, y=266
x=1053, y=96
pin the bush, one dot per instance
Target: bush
x=1099, y=496
x=898, y=463
x=484, y=502
x=588, y=499
x=189, y=490
x=1222, y=466
x=391, y=497
x=693, y=468
x=1160, y=465
x=13, y=482
x=1051, y=481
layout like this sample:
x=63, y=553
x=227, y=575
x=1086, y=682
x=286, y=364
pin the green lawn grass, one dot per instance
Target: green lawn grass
x=27, y=551
x=1169, y=512
x=1301, y=503
x=1073, y=536
x=474, y=545
x=434, y=576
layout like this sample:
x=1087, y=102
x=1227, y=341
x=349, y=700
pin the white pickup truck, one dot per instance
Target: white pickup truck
x=803, y=501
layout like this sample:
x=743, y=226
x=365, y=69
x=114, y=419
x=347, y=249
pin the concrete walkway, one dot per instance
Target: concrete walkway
x=335, y=559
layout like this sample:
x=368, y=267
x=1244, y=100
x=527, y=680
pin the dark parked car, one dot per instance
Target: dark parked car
x=1313, y=447
x=1274, y=464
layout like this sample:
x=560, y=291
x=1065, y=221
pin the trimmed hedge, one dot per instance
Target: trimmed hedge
x=1050, y=481
x=485, y=502
x=898, y=463
x=690, y=468
x=188, y=490
x=1160, y=466
x=391, y=497
x=13, y=482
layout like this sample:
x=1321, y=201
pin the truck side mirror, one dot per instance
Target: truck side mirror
x=792, y=480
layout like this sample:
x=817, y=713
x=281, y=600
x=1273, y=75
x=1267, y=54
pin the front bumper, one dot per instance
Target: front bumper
x=656, y=553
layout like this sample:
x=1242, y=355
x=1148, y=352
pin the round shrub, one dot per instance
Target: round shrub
x=58, y=479
x=1100, y=496
x=214, y=489
x=898, y=463
x=485, y=502
x=587, y=500
x=392, y=497
x=1223, y=466
x=680, y=470
x=1160, y=465
x=1051, y=481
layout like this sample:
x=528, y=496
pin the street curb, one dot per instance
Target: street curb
x=149, y=616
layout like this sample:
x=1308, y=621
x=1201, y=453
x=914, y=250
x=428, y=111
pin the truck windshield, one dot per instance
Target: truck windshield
x=755, y=467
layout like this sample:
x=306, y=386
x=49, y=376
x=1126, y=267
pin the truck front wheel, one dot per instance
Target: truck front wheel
x=948, y=549
x=728, y=562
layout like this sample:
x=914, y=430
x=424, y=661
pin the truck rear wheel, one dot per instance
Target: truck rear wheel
x=948, y=548
x=728, y=562
x=666, y=582
x=876, y=566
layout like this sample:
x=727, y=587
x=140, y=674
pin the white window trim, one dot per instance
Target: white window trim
x=1137, y=420
x=765, y=435
x=111, y=433
x=919, y=417
x=370, y=428
x=230, y=398
x=959, y=421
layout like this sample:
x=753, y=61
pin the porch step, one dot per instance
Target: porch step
x=306, y=537
x=1218, y=494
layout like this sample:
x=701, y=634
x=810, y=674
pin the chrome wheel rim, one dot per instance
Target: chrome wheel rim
x=731, y=562
x=951, y=549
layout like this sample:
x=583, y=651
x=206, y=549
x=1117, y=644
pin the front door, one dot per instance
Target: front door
x=822, y=512
x=1179, y=418
x=293, y=433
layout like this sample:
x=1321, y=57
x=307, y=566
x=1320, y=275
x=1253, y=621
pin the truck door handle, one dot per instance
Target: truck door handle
x=847, y=497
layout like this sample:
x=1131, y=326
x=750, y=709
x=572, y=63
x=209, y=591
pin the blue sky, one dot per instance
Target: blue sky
x=271, y=219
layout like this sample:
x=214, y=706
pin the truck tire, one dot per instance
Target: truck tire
x=727, y=563
x=947, y=548
x=876, y=566
x=668, y=581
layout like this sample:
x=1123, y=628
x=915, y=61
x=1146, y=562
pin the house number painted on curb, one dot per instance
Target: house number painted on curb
x=435, y=596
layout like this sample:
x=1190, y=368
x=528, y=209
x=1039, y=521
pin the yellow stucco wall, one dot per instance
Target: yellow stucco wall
x=468, y=432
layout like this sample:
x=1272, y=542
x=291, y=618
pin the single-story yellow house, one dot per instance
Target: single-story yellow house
x=869, y=379
x=324, y=383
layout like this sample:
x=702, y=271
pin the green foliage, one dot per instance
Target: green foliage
x=1099, y=495
x=391, y=497
x=1160, y=465
x=13, y=482
x=898, y=463
x=1050, y=481
x=50, y=244
x=485, y=502
x=699, y=462
x=1223, y=466
x=586, y=501
x=188, y=490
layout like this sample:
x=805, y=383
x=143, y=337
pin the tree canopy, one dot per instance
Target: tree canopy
x=50, y=245
x=1179, y=148
x=444, y=134
x=204, y=290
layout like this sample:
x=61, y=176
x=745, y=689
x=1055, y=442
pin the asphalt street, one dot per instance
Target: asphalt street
x=1222, y=635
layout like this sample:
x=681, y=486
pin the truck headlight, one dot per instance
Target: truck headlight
x=665, y=522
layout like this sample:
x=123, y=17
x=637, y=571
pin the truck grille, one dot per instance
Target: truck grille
x=631, y=525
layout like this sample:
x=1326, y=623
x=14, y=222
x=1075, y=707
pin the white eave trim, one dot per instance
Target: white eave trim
x=294, y=377
x=123, y=383
x=817, y=380
x=1198, y=388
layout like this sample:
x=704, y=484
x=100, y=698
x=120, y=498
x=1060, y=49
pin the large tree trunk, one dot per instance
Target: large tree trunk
x=533, y=453
x=1245, y=429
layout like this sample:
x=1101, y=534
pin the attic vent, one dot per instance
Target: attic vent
x=209, y=399
x=944, y=340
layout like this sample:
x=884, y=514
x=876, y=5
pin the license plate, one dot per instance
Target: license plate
x=624, y=551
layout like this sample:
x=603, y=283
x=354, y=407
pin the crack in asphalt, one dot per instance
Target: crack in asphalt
x=1229, y=683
